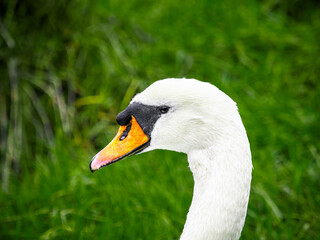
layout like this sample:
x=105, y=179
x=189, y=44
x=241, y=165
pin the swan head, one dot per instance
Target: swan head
x=181, y=115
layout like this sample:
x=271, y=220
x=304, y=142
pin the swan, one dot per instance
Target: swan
x=196, y=118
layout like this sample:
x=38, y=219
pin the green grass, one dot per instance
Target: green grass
x=68, y=69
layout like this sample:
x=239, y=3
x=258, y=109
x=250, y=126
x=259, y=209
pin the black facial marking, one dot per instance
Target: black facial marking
x=123, y=118
x=146, y=116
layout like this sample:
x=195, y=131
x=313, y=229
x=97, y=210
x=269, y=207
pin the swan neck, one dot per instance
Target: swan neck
x=222, y=177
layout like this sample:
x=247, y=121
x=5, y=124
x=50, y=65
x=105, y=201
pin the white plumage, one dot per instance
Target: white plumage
x=204, y=123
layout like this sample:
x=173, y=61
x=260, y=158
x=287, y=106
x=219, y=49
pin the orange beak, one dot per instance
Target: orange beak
x=129, y=140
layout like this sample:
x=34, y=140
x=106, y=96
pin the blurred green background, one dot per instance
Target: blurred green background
x=68, y=67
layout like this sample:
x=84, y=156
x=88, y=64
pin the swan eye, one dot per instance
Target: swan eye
x=163, y=109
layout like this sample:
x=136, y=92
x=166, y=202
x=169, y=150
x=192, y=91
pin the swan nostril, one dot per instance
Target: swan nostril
x=125, y=132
